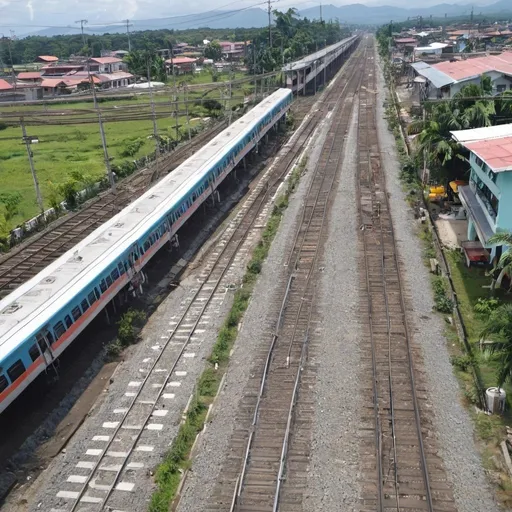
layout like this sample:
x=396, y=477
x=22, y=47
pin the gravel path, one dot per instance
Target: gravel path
x=334, y=352
x=452, y=422
x=254, y=336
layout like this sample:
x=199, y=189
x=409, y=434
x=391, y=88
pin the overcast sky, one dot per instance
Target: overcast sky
x=19, y=14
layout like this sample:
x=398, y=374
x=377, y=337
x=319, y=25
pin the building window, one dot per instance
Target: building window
x=490, y=201
x=501, y=88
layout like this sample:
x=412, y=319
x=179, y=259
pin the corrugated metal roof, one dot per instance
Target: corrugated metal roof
x=436, y=77
x=496, y=153
x=464, y=69
x=490, y=132
x=309, y=59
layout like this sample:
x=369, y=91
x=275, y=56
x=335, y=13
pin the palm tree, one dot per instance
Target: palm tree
x=499, y=326
x=504, y=264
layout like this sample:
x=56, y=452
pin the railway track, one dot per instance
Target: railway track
x=402, y=470
x=27, y=260
x=113, y=457
x=266, y=447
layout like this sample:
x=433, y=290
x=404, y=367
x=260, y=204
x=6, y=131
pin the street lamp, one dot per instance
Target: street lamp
x=28, y=140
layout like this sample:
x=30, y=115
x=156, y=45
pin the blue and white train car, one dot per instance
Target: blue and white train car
x=41, y=318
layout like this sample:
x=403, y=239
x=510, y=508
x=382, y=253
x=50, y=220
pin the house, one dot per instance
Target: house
x=181, y=65
x=234, y=51
x=29, y=77
x=5, y=87
x=402, y=43
x=107, y=65
x=488, y=197
x=57, y=70
x=47, y=59
x=433, y=49
x=64, y=85
x=104, y=80
x=445, y=79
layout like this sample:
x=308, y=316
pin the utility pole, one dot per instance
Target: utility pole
x=269, y=25
x=110, y=175
x=28, y=141
x=128, y=25
x=185, y=88
x=82, y=23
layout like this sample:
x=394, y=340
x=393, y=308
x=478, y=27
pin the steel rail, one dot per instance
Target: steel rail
x=296, y=249
x=260, y=202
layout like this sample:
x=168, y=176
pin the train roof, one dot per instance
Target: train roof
x=31, y=306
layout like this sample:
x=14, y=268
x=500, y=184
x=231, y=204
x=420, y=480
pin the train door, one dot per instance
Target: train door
x=44, y=340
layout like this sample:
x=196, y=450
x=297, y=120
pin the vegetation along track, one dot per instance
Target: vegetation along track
x=265, y=468
x=25, y=261
x=132, y=426
x=401, y=468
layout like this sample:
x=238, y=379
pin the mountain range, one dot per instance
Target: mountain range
x=255, y=17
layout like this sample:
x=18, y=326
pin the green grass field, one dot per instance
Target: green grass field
x=63, y=149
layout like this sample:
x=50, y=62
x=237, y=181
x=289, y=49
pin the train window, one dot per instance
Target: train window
x=120, y=266
x=16, y=370
x=33, y=352
x=103, y=286
x=76, y=312
x=85, y=305
x=92, y=298
x=109, y=281
x=59, y=329
x=68, y=321
x=114, y=274
x=3, y=383
x=41, y=336
x=147, y=245
x=97, y=293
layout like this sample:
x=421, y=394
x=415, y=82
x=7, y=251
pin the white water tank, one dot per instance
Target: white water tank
x=495, y=400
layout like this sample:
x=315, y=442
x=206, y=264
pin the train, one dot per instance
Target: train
x=42, y=317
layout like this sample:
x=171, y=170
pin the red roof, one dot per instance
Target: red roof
x=29, y=75
x=181, y=60
x=48, y=58
x=464, y=69
x=5, y=86
x=496, y=153
x=406, y=40
x=107, y=60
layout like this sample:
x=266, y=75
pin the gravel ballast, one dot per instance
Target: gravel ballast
x=254, y=337
x=452, y=424
x=334, y=352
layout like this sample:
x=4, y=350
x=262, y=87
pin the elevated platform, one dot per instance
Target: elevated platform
x=310, y=72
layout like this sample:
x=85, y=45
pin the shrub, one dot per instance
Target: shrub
x=484, y=307
x=462, y=363
x=132, y=148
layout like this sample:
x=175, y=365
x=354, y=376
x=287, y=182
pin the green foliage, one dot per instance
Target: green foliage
x=127, y=333
x=213, y=106
x=132, y=148
x=10, y=202
x=484, y=307
x=462, y=363
x=213, y=51
x=3, y=126
x=69, y=190
x=441, y=301
x=4, y=234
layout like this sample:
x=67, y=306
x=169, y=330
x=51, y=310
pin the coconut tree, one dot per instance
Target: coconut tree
x=504, y=265
x=499, y=328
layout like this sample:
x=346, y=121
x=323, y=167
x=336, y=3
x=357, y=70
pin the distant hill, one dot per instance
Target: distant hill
x=363, y=14
x=256, y=18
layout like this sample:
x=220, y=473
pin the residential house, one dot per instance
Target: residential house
x=47, y=59
x=29, y=77
x=57, y=70
x=181, y=65
x=488, y=197
x=402, y=43
x=5, y=87
x=445, y=79
x=107, y=65
x=105, y=80
x=64, y=85
x=234, y=51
